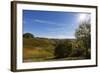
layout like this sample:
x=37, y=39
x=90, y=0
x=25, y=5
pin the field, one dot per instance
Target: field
x=37, y=49
x=44, y=49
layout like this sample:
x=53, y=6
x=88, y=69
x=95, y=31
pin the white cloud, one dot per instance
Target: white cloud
x=44, y=21
x=56, y=24
x=60, y=29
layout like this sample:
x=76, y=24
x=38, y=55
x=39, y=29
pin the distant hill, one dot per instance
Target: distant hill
x=44, y=42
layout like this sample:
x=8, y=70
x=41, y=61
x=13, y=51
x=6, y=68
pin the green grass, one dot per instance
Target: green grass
x=36, y=50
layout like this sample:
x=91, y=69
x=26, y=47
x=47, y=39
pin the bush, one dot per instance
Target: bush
x=28, y=35
x=63, y=50
x=87, y=54
x=77, y=52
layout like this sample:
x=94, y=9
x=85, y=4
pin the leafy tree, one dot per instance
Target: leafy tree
x=28, y=35
x=63, y=50
x=83, y=35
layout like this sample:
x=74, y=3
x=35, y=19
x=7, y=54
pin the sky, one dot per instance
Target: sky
x=52, y=24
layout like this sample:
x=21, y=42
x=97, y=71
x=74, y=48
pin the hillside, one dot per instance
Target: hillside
x=39, y=49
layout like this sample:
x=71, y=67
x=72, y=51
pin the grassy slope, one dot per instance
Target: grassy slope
x=36, y=49
x=41, y=49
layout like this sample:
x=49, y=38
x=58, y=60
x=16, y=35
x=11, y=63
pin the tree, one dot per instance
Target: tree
x=83, y=35
x=77, y=49
x=63, y=50
x=28, y=35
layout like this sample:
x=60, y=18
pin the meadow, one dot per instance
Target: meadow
x=44, y=49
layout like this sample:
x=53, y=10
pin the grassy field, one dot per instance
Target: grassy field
x=37, y=49
x=42, y=49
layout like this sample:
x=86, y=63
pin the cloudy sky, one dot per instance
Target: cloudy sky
x=52, y=24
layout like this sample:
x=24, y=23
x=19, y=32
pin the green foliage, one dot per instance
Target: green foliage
x=77, y=52
x=83, y=36
x=87, y=53
x=63, y=50
x=28, y=35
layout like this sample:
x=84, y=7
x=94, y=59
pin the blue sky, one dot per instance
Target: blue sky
x=50, y=24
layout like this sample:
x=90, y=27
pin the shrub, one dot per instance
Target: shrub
x=77, y=52
x=28, y=35
x=63, y=50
